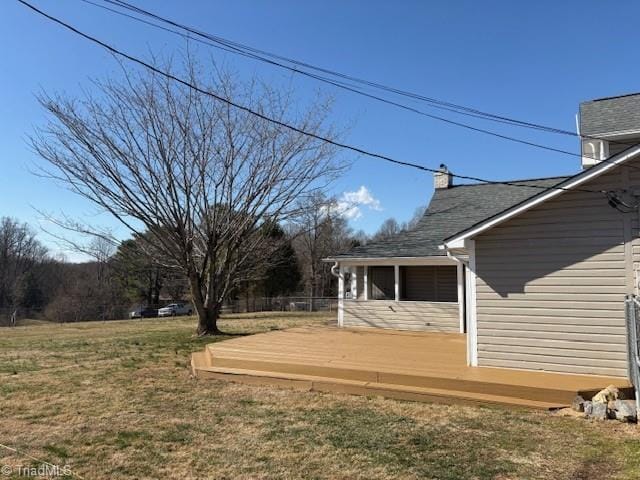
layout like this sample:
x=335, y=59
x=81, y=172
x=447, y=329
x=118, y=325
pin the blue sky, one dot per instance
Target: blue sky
x=534, y=61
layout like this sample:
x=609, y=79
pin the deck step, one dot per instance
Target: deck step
x=416, y=366
x=349, y=371
x=366, y=388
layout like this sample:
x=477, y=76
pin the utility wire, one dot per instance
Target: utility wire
x=226, y=45
x=354, y=89
x=298, y=63
x=346, y=86
x=235, y=47
x=335, y=143
x=435, y=103
x=222, y=46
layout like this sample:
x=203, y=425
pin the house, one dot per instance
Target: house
x=507, y=293
x=534, y=272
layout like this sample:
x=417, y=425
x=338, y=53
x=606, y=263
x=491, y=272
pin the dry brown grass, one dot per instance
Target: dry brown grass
x=115, y=400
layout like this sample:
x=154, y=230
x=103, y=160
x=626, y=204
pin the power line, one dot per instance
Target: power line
x=335, y=143
x=224, y=44
x=299, y=63
x=221, y=45
x=239, y=48
x=353, y=89
x=234, y=47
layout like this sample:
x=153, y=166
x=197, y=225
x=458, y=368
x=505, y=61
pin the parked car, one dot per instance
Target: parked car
x=144, y=312
x=175, y=309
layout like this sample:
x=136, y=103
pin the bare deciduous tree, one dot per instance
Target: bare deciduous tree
x=20, y=252
x=321, y=231
x=388, y=229
x=196, y=176
x=418, y=213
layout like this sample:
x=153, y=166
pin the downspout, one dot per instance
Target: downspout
x=462, y=294
x=457, y=259
x=333, y=270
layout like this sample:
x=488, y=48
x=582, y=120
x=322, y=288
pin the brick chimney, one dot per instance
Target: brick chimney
x=442, y=178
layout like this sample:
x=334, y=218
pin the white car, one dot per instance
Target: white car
x=175, y=309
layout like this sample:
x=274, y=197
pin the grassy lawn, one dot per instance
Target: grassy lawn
x=116, y=400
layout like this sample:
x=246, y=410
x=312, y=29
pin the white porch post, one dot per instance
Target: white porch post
x=472, y=327
x=341, y=296
x=396, y=274
x=354, y=283
x=461, y=300
x=365, y=283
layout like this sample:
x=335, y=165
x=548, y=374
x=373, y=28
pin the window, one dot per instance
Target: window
x=429, y=283
x=382, y=283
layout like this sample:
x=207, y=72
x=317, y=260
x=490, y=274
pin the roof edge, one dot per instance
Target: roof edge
x=574, y=181
x=518, y=180
x=613, y=97
x=433, y=259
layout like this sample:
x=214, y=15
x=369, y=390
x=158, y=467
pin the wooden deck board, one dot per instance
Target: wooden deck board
x=423, y=364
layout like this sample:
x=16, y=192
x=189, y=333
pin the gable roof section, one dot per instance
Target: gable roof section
x=610, y=116
x=456, y=240
x=450, y=211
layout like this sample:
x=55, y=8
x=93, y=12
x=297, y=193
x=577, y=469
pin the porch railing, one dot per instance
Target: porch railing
x=632, y=312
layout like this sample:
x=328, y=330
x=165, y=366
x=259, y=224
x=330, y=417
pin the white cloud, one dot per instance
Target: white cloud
x=350, y=204
x=362, y=196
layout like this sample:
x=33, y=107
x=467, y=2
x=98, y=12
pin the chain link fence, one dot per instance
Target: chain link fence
x=79, y=311
x=632, y=310
x=282, y=304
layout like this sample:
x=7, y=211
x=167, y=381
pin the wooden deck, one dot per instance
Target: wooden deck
x=373, y=362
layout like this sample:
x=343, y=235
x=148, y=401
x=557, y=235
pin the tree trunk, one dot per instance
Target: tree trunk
x=149, y=294
x=157, y=286
x=208, y=321
x=208, y=312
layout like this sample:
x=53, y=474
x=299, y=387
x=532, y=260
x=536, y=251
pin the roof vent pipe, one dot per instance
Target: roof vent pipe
x=442, y=178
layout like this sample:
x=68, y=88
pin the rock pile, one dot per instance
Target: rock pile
x=606, y=404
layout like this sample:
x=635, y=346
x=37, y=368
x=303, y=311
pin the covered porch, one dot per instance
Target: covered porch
x=402, y=293
x=374, y=362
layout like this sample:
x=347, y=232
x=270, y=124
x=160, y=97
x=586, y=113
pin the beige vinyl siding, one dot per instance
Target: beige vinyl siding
x=551, y=283
x=634, y=223
x=404, y=315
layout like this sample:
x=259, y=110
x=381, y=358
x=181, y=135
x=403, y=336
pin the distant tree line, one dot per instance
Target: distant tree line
x=36, y=283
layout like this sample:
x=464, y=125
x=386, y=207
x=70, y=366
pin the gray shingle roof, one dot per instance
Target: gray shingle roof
x=450, y=211
x=610, y=115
